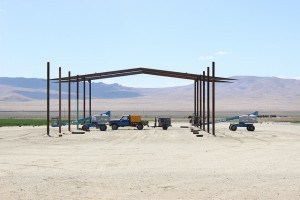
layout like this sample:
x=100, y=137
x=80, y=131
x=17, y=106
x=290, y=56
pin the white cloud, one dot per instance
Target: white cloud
x=212, y=57
x=221, y=53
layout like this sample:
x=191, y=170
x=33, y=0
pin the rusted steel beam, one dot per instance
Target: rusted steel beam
x=127, y=72
x=48, y=98
x=197, y=103
x=69, y=102
x=59, y=102
x=90, y=99
x=194, y=103
x=213, y=100
x=200, y=97
x=208, y=100
x=77, y=97
x=203, y=97
x=84, y=98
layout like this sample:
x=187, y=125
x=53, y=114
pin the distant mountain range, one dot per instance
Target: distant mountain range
x=26, y=89
x=246, y=92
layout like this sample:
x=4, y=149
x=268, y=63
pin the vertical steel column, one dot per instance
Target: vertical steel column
x=213, y=99
x=194, y=102
x=48, y=98
x=59, y=101
x=69, y=102
x=84, y=98
x=197, y=102
x=77, y=100
x=208, y=100
x=203, y=117
x=90, y=99
x=200, y=94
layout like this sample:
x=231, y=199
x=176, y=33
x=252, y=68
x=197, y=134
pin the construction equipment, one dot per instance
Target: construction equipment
x=98, y=121
x=245, y=121
x=163, y=122
x=128, y=120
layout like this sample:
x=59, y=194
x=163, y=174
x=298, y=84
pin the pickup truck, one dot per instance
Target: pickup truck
x=128, y=120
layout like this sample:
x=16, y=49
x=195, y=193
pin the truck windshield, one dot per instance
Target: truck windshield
x=124, y=118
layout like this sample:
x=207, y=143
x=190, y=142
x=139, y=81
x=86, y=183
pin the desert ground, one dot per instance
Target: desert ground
x=151, y=163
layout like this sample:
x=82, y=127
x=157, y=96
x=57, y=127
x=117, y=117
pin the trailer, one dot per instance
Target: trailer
x=163, y=122
x=128, y=120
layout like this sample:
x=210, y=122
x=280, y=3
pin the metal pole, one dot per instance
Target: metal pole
x=90, y=99
x=197, y=103
x=84, y=98
x=69, y=102
x=208, y=100
x=59, y=102
x=48, y=98
x=203, y=100
x=77, y=100
x=213, y=99
x=201, y=121
x=194, y=102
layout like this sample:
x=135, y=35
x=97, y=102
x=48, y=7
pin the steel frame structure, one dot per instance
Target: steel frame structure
x=201, y=81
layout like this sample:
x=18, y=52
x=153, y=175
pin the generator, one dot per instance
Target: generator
x=163, y=122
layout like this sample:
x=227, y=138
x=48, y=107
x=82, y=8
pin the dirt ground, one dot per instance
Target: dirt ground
x=151, y=164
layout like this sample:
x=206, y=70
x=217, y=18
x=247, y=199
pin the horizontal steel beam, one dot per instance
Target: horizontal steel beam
x=135, y=71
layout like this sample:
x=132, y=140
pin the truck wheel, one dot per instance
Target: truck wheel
x=230, y=126
x=114, y=126
x=85, y=128
x=103, y=128
x=165, y=127
x=140, y=127
x=251, y=128
x=233, y=127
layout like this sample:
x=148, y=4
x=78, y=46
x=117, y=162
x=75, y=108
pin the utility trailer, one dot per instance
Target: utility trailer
x=244, y=121
x=128, y=120
x=163, y=122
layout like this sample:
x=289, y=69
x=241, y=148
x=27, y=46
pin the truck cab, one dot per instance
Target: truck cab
x=124, y=121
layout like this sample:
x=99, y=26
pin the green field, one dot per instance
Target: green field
x=24, y=122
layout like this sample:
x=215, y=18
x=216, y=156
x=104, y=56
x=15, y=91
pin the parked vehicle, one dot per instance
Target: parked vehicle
x=245, y=121
x=163, y=122
x=128, y=120
x=99, y=121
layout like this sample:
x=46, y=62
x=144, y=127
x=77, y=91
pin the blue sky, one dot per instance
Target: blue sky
x=259, y=38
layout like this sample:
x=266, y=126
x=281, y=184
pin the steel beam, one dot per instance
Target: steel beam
x=90, y=99
x=203, y=97
x=197, y=103
x=84, y=98
x=48, y=98
x=208, y=101
x=59, y=101
x=194, y=103
x=213, y=100
x=77, y=96
x=200, y=96
x=69, y=102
